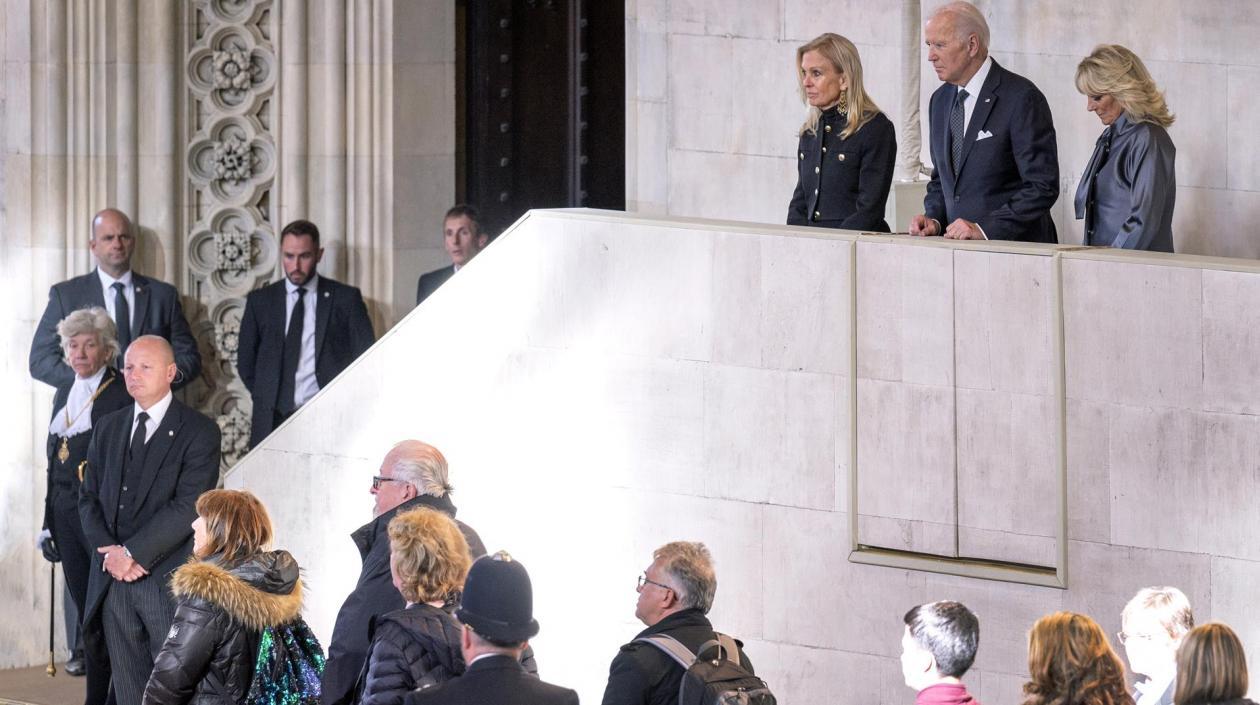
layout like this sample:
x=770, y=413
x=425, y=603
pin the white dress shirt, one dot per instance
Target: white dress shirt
x=156, y=413
x=1151, y=691
x=129, y=293
x=78, y=402
x=305, y=385
x=974, y=87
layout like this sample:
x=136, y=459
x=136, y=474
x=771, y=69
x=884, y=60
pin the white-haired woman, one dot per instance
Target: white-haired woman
x=1128, y=190
x=847, y=146
x=89, y=344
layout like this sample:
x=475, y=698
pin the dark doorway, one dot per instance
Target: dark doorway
x=543, y=106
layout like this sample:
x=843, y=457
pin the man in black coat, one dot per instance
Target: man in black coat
x=413, y=474
x=497, y=615
x=146, y=466
x=151, y=307
x=995, y=161
x=675, y=594
x=285, y=359
x=463, y=239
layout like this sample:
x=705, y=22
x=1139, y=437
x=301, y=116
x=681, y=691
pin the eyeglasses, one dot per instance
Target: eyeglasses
x=644, y=580
x=1124, y=637
x=378, y=480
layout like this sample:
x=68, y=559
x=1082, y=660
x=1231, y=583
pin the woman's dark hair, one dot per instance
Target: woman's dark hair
x=1070, y=662
x=1211, y=666
x=237, y=525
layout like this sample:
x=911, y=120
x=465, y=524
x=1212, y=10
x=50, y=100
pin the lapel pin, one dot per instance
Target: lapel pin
x=325, y=294
x=986, y=100
x=170, y=433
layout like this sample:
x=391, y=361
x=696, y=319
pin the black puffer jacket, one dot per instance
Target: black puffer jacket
x=419, y=643
x=218, y=617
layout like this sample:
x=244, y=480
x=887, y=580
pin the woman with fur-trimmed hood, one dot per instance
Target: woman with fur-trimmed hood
x=225, y=598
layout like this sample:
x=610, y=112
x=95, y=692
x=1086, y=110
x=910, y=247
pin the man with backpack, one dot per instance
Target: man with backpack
x=675, y=594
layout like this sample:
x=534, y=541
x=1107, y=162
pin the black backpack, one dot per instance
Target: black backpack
x=721, y=680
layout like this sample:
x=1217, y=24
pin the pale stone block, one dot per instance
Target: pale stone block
x=902, y=480
x=1008, y=477
x=647, y=157
x=767, y=124
x=424, y=187
x=882, y=78
x=701, y=86
x=424, y=112
x=869, y=598
x=1133, y=333
x=806, y=675
x=1215, y=222
x=430, y=34
x=1102, y=579
x=15, y=125
x=1231, y=342
x=1213, y=32
x=1172, y=463
x=844, y=442
x=730, y=186
x=905, y=326
x=1089, y=474
x=760, y=284
x=1046, y=28
x=1242, y=143
x=936, y=538
x=1006, y=687
x=650, y=66
x=1233, y=600
x=715, y=17
x=1198, y=95
x=1003, y=306
x=768, y=436
x=863, y=23
x=1006, y=611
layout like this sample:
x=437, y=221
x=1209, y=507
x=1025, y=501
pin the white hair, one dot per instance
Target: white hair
x=967, y=21
x=421, y=465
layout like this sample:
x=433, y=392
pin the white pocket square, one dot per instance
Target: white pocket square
x=984, y=135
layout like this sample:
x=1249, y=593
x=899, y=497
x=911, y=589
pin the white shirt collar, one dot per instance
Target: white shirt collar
x=977, y=81
x=108, y=281
x=1151, y=690
x=311, y=285
x=157, y=412
x=95, y=380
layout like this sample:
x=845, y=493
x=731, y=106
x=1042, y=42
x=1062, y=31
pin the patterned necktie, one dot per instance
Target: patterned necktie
x=122, y=317
x=957, y=124
x=285, y=403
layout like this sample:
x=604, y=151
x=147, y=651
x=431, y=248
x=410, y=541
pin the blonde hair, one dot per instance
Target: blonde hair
x=94, y=320
x=429, y=553
x=690, y=567
x=1115, y=71
x=237, y=525
x=1070, y=662
x=843, y=57
x=1168, y=604
x=1211, y=666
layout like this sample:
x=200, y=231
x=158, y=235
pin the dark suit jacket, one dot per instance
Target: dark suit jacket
x=158, y=312
x=844, y=183
x=343, y=332
x=181, y=462
x=112, y=398
x=430, y=282
x=1127, y=197
x=1006, y=182
x=494, y=679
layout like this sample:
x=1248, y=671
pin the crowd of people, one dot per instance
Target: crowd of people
x=992, y=142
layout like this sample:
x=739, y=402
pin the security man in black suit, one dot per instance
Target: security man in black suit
x=299, y=333
x=137, y=304
x=146, y=466
x=463, y=239
x=497, y=614
x=995, y=161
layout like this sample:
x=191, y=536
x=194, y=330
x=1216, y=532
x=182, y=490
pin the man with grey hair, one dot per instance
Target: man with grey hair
x=675, y=594
x=413, y=474
x=995, y=161
x=137, y=304
x=938, y=645
x=1152, y=626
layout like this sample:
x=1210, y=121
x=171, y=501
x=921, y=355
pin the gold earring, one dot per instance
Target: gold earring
x=843, y=106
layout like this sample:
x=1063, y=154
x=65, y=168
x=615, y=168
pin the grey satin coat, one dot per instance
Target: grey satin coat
x=1133, y=193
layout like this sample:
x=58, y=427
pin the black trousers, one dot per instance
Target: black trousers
x=136, y=617
x=76, y=564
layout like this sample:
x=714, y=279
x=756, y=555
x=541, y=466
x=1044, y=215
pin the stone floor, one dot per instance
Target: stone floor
x=32, y=686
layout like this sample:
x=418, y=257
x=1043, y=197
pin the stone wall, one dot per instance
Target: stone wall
x=712, y=108
x=606, y=383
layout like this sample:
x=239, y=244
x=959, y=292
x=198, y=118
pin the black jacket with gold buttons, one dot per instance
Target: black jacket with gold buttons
x=843, y=183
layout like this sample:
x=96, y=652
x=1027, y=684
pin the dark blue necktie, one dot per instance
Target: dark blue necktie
x=957, y=126
x=292, y=354
x=122, y=317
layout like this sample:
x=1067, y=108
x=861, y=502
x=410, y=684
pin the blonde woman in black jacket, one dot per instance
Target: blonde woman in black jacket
x=225, y=599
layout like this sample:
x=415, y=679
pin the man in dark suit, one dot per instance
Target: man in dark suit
x=146, y=466
x=137, y=304
x=497, y=614
x=299, y=333
x=463, y=238
x=995, y=161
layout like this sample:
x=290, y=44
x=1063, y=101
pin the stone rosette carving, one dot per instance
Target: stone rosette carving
x=232, y=250
x=227, y=339
x=233, y=160
x=234, y=440
x=233, y=70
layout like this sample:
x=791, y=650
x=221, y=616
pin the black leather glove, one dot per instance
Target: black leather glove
x=48, y=547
